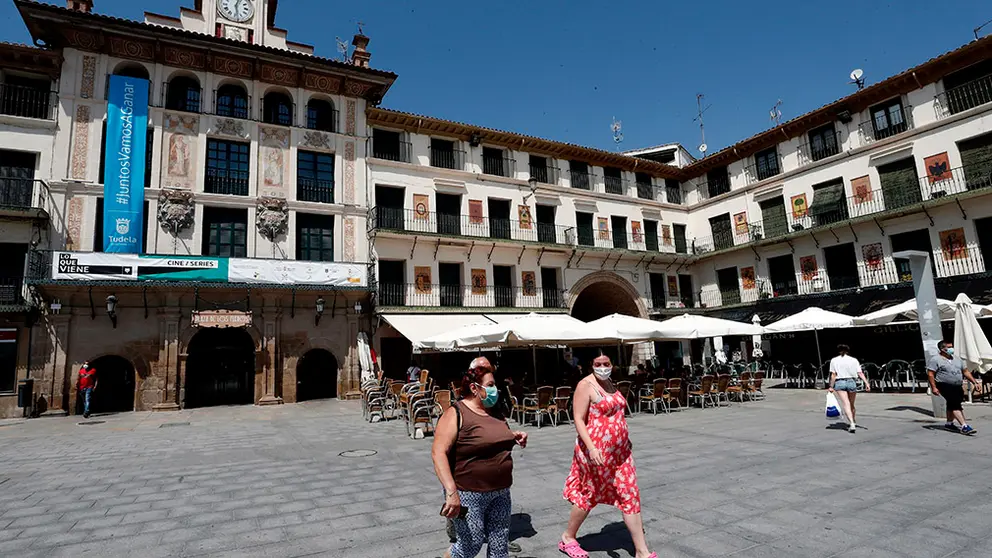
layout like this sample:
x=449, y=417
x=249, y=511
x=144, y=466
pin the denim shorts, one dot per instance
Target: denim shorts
x=845, y=384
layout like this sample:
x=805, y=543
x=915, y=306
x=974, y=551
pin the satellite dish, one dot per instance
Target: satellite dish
x=857, y=74
x=702, y=148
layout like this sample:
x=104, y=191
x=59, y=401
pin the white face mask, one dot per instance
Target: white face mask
x=602, y=372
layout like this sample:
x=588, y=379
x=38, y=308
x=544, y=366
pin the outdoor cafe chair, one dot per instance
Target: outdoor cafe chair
x=540, y=404
x=893, y=369
x=755, y=390
x=873, y=374
x=723, y=389
x=777, y=367
x=673, y=394
x=793, y=373
x=517, y=399
x=704, y=392
x=742, y=389
x=421, y=411
x=624, y=387
x=653, y=395
x=920, y=377
x=372, y=391
x=562, y=400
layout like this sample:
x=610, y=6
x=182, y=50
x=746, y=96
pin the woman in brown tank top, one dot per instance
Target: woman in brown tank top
x=472, y=460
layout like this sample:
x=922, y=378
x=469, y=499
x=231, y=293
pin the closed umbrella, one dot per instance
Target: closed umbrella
x=970, y=343
x=694, y=326
x=812, y=319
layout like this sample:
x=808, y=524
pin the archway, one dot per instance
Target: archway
x=114, y=391
x=602, y=298
x=220, y=368
x=317, y=376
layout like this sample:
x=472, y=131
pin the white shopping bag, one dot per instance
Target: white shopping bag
x=833, y=407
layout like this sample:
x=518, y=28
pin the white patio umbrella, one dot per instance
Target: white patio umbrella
x=905, y=311
x=629, y=328
x=970, y=343
x=694, y=326
x=812, y=319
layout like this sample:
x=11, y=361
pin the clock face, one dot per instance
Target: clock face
x=236, y=10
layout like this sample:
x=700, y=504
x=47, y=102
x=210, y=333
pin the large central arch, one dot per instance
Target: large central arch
x=317, y=375
x=220, y=368
x=603, y=293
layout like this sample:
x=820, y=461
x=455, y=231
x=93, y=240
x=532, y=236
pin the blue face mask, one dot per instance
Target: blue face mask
x=492, y=395
x=950, y=351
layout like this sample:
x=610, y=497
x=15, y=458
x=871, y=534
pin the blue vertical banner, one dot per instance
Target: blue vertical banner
x=124, y=177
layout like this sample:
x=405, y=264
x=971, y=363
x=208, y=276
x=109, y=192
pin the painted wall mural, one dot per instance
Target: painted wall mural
x=529, y=281
x=180, y=132
x=747, y=278
x=475, y=211
x=349, y=172
x=861, y=188
x=799, y=207
x=952, y=244
x=87, y=83
x=421, y=206
x=478, y=281
x=604, y=228
x=523, y=213
x=808, y=267
x=666, y=235
x=81, y=143
x=740, y=222
x=273, y=155
x=938, y=167
x=422, y=278
x=873, y=255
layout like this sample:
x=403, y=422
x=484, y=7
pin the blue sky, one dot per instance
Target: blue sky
x=563, y=69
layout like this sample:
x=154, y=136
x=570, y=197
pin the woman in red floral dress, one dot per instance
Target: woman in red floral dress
x=603, y=466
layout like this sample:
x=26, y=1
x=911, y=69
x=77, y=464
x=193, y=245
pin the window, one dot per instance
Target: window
x=912, y=240
x=389, y=211
x=277, y=108
x=443, y=154
x=673, y=191
x=16, y=178
x=723, y=236
x=842, y=266
x=314, y=177
x=651, y=235
x=550, y=294
x=392, y=287
x=225, y=232
x=388, y=145
x=183, y=93
x=613, y=178
x=766, y=163
x=547, y=232
x=969, y=87
x=782, y=272
x=503, y=286
x=888, y=119
x=27, y=97
x=227, y=167
x=976, y=160
x=645, y=189
x=579, y=172
x=321, y=116
x=900, y=183
x=730, y=291
x=583, y=223
x=314, y=237
x=823, y=143
x=657, y=284
x=774, y=222
x=619, y=225
x=450, y=283
x=718, y=181
x=232, y=101
x=681, y=245
x=541, y=170
x=495, y=162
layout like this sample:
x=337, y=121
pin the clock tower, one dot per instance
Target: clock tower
x=250, y=21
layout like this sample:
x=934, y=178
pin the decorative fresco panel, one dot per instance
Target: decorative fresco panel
x=799, y=207
x=673, y=286
x=478, y=281
x=422, y=278
x=87, y=83
x=475, y=215
x=873, y=255
x=349, y=239
x=273, y=159
x=952, y=244
x=808, y=267
x=180, y=133
x=666, y=235
x=635, y=231
x=74, y=224
x=81, y=143
x=528, y=279
x=350, y=117
x=421, y=206
x=740, y=222
x=938, y=167
x=349, y=172
x=747, y=278
x=861, y=188
x=523, y=214
x=604, y=228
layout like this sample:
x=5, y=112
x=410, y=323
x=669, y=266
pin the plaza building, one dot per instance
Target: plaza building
x=286, y=212
x=252, y=283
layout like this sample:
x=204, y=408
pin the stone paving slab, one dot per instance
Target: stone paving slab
x=763, y=479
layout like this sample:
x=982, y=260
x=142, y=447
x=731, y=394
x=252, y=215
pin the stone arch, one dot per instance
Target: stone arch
x=319, y=113
x=278, y=107
x=317, y=374
x=221, y=368
x=189, y=331
x=116, y=385
x=133, y=69
x=612, y=292
x=231, y=99
x=140, y=366
x=293, y=351
x=184, y=91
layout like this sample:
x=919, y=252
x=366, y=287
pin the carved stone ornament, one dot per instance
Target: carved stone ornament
x=272, y=217
x=229, y=127
x=175, y=210
x=313, y=138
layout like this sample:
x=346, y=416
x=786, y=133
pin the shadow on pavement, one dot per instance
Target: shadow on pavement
x=922, y=411
x=611, y=538
x=521, y=526
x=837, y=426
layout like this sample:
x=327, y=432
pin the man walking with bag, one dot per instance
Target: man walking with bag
x=947, y=373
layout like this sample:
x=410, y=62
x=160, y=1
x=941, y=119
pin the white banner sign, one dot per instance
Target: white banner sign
x=293, y=272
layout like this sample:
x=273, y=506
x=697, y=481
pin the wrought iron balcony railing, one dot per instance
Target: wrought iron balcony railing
x=615, y=185
x=28, y=102
x=21, y=193
x=545, y=174
x=477, y=226
x=443, y=158
x=811, y=152
x=11, y=291
x=622, y=240
x=499, y=166
x=895, y=121
x=229, y=182
x=391, y=150
x=313, y=190
x=963, y=97
x=757, y=172
x=434, y=295
x=581, y=180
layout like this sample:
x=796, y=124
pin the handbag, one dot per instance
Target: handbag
x=833, y=407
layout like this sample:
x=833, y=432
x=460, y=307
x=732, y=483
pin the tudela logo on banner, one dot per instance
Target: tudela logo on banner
x=124, y=174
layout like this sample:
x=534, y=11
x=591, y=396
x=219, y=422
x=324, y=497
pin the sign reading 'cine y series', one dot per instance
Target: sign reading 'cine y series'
x=220, y=318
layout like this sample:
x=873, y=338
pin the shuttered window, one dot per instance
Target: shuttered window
x=773, y=217
x=900, y=183
x=976, y=158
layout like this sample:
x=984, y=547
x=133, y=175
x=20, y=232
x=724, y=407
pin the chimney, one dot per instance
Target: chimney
x=360, y=57
x=85, y=6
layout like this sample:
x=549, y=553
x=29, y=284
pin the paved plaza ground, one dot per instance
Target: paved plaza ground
x=764, y=479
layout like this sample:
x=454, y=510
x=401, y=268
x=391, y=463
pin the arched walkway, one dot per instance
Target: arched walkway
x=114, y=391
x=604, y=293
x=317, y=376
x=220, y=368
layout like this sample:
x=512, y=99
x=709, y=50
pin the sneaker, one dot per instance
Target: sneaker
x=852, y=429
x=951, y=426
x=968, y=430
x=86, y=415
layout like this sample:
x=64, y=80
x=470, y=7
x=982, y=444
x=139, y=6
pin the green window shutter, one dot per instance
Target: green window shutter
x=976, y=158
x=900, y=183
x=773, y=217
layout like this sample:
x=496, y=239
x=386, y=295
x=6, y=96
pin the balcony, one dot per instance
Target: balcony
x=467, y=296
x=711, y=189
x=616, y=240
x=646, y=191
x=11, y=291
x=582, y=180
x=445, y=224
x=760, y=171
x=313, y=190
x=444, y=158
x=22, y=194
x=545, y=174
x=28, y=102
x=963, y=97
x=616, y=185
x=896, y=120
x=499, y=166
x=392, y=150
x=812, y=152
x=234, y=183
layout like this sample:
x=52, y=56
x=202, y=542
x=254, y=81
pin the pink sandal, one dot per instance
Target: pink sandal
x=573, y=550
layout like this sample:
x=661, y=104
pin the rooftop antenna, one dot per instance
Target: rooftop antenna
x=361, y=28
x=342, y=48
x=699, y=117
x=858, y=78
x=617, y=128
x=980, y=27
x=775, y=113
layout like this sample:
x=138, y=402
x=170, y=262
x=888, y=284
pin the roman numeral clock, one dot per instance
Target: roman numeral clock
x=236, y=11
